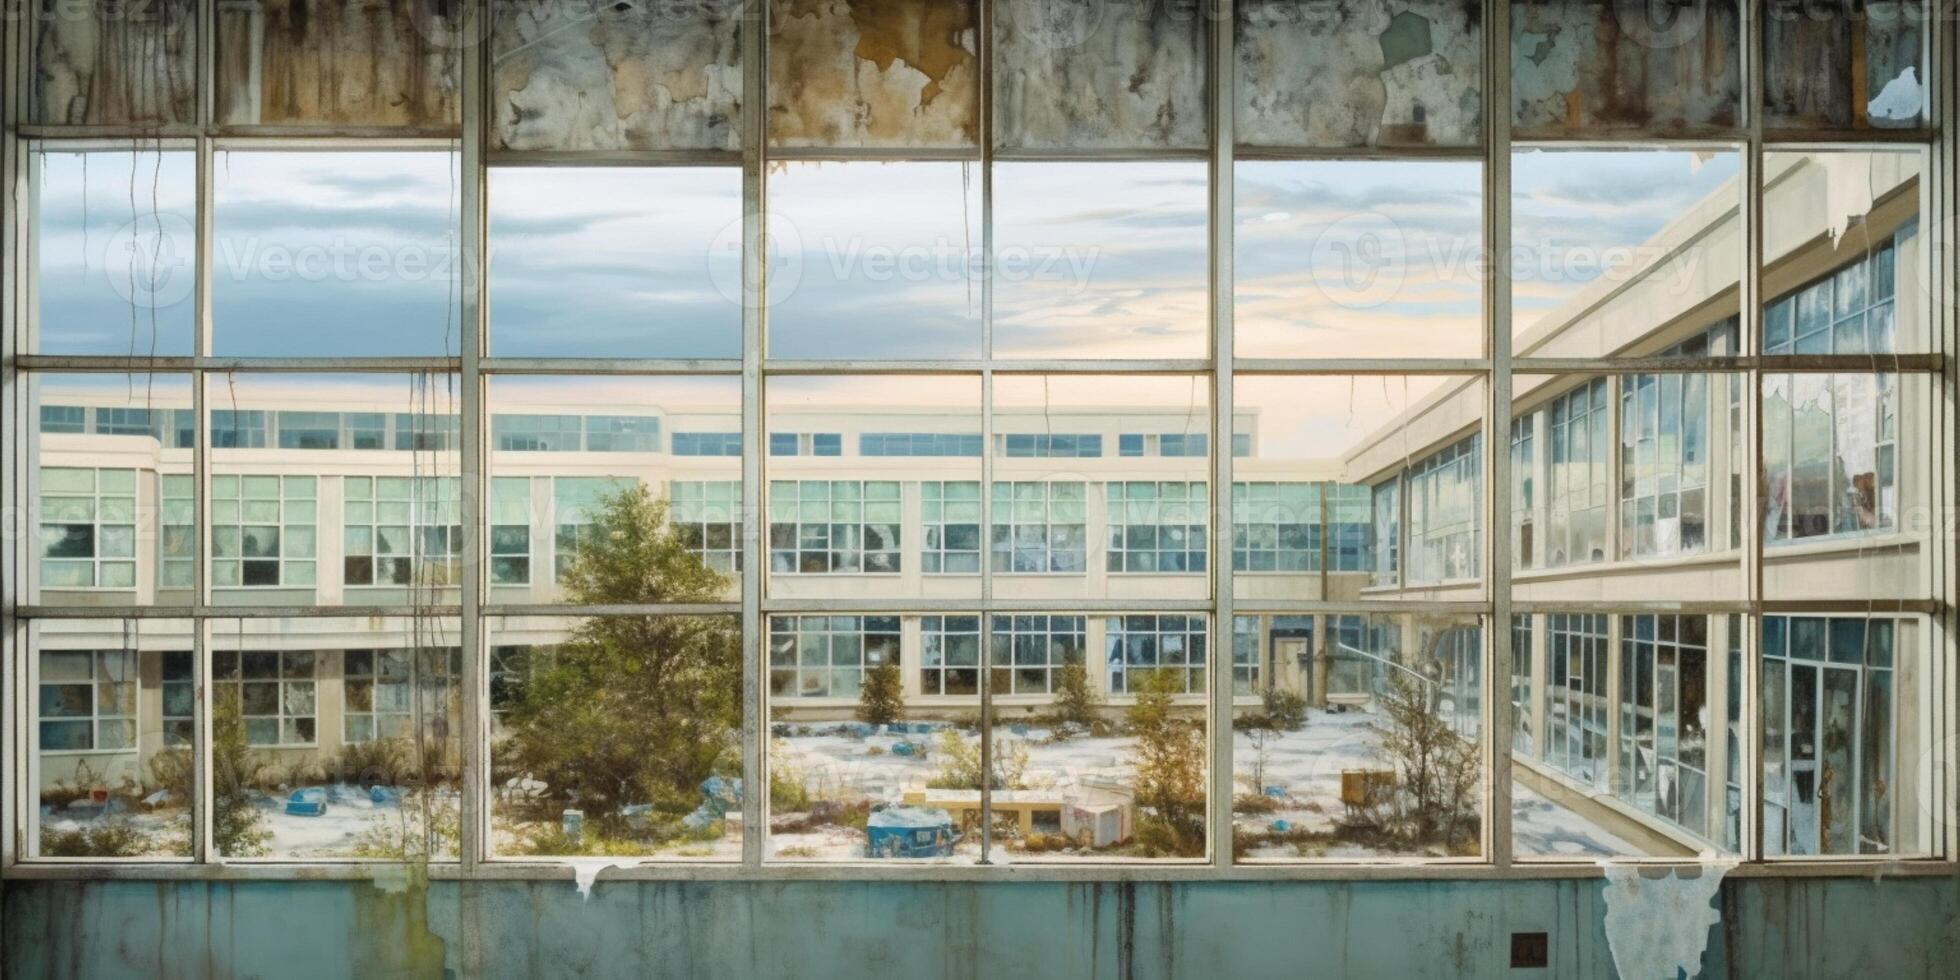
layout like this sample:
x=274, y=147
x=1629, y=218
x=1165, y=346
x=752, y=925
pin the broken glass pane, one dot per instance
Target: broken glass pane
x=1644, y=66
x=660, y=75
x=1845, y=64
x=1080, y=74
x=104, y=63
x=874, y=73
x=1360, y=73
x=366, y=62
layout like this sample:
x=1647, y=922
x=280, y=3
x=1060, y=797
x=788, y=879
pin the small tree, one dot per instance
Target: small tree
x=1076, y=703
x=237, y=828
x=882, y=697
x=1169, y=764
x=633, y=709
x=1436, y=767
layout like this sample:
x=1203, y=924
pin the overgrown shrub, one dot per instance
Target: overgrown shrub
x=106, y=838
x=960, y=765
x=881, y=699
x=1076, y=701
x=1169, y=762
x=1435, y=802
x=237, y=827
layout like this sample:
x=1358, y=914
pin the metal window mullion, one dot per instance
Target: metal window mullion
x=473, y=845
x=14, y=394
x=1497, y=299
x=204, y=793
x=986, y=81
x=1750, y=329
x=1218, y=834
x=753, y=119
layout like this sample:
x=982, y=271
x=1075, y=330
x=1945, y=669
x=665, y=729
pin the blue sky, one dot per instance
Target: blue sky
x=349, y=254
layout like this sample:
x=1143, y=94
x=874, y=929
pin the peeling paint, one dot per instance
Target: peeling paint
x=1829, y=60
x=665, y=74
x=354, y=62
x=1099, y=74
x=1645, y=67
x=1354, y=73
x=121, y=65
x=1657, y=926
x=874, y=73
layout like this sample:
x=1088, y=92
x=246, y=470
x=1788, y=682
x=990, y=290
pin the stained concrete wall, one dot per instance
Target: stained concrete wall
x=1787, y=928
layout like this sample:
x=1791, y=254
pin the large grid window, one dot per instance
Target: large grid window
x=1156, y=526
x=826, y=656
x=1575, y=696
x=1041, y=527
x=1616, y=468
x=275, y=691
x=1577, y=488
x=1138, y=645
x=87, y=700
x=263, y=530
x=1028, y=651
x=820, y=526
x=949, y=512
x=1444, y=496
x=398, y=693
x=708, y=516
x=88, y=528
x=402, y=531
x=575, y=501
x=949, y=655
x=1663, y=763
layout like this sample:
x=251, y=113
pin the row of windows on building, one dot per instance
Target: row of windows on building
x=1830, y=756
x=403, y=531
x=404, y=431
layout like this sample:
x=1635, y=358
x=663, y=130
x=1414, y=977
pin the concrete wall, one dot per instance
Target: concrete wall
x=1787, y=928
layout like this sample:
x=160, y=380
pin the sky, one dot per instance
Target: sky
x=352, y=253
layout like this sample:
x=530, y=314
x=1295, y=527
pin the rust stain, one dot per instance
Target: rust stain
x=874, y=72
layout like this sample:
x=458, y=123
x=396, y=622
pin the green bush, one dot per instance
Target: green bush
x=110, y=838
x=882, y=697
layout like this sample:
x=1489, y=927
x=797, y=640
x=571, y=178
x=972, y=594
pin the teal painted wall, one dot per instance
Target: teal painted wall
x=1846, y=927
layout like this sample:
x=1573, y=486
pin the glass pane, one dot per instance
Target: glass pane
x=1852, y=64
x=1667, y=68
x=1303, y=517
x=1099, y=729
x=1847, y=468
x=1594, y=777
x=874, y=73
x=1080, y=74
x=115, y=252
x=1346, y=712
x=1102, y=487
x=114, y=777
x=113, y=63
x=617, y=736
x=358, y=63
x=110, y=451
x=1403, y=73
x=647, y=76
x=337, y=763
x=1100, y=260
x=839, y=526
x=317, y=480
x=335, y=254
x=1623, y=251
x=1358, y=259
x=654, y=254
x=874, y=260
x=1844, y=262
x=612, y=463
